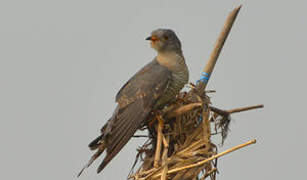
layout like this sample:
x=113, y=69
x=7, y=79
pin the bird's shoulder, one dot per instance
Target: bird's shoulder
x=151, y=80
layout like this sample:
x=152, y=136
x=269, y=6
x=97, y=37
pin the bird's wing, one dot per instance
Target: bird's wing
x=151, y=76
x=135, y=100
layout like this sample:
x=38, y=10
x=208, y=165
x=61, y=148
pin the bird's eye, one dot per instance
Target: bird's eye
x=166, y=38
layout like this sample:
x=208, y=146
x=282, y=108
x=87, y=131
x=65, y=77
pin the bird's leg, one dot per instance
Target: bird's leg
x=154, y=113
x=151, y=123
x=191, y=85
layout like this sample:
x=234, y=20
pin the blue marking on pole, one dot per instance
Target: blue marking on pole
x=204, y=77
x=205, y=74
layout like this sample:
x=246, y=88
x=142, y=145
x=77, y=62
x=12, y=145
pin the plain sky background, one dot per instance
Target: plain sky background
x=63, y=61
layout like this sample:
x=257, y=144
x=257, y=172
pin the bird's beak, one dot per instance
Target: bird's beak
x=152, y=38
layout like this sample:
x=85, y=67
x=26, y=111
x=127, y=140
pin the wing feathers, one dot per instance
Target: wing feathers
x=124, y=127
x=136, y=100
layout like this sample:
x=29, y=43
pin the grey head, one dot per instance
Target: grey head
x=165, y=40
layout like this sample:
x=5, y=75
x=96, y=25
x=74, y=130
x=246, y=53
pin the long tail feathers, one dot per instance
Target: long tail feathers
x=101, y=147
x=95, y=143
x=123, y=125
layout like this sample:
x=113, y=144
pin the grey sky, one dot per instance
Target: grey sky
x=63, y=61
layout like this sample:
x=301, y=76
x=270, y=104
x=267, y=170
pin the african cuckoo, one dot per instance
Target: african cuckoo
x=150, y=89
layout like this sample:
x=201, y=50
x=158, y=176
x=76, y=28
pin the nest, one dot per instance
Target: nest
x=180, y=136
x=179, y=145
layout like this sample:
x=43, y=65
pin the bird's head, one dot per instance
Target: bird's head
x=164, y=40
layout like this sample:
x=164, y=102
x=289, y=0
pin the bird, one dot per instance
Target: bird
x=150, y=89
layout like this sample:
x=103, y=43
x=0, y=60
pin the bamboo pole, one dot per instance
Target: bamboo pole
x=217, y=49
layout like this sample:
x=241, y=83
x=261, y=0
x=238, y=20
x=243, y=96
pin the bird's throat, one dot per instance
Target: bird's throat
x=171, y=60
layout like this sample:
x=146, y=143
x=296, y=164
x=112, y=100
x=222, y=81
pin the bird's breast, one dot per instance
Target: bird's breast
x=178, y=79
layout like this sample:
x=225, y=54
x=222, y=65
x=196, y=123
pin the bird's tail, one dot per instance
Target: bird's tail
x=97, y=144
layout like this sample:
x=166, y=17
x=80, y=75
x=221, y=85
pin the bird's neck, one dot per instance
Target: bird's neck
x=171, y=60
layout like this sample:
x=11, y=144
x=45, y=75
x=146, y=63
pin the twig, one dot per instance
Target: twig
x=208, y=173
x=159, y=140
x=218, y=47
x=164, y=159
x=138, y=136
x=210, y=91
x=183, y=109
x=219, y=111
x=226, y=113
x=245, y=108
x=209, y=159
x=164, y=141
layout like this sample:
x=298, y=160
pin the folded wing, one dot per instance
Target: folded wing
x=136, y=100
